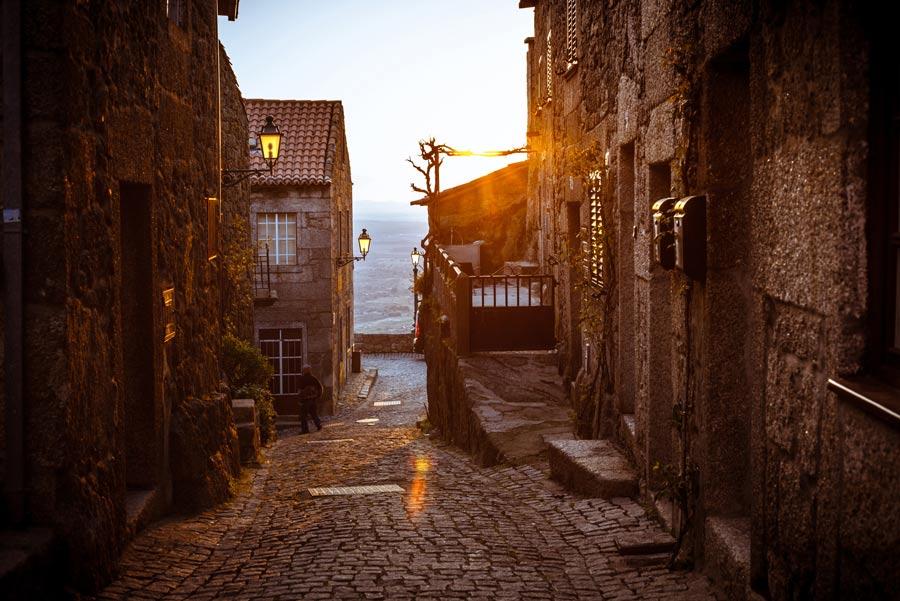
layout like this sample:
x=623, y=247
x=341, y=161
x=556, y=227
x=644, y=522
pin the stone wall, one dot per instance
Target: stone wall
x=383, y=343
x=343, y=244
x=762, y=109
x=236, y=244
x=121, y=142
x=305, y=288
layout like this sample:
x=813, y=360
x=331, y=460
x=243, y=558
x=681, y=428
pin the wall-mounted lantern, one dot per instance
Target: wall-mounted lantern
x=269, y=141
x=415, y=256
x=365, y=241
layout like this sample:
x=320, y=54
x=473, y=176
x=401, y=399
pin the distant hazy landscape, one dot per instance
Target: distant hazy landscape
x=383, y=294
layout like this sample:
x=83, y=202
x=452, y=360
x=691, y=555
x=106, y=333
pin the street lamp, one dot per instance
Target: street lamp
x=415, y=256
x=269, y=141
x=365, y=241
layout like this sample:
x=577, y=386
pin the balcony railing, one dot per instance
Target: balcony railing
x=493, y=312
x=263, y=294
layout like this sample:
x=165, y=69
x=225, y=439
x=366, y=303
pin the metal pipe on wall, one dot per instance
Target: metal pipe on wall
x=13, y=208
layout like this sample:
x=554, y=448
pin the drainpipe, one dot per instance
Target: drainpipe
x=13, y=201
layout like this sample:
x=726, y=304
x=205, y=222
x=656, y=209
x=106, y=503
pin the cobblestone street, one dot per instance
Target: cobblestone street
x=455, y=532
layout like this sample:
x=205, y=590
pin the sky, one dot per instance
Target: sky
x=404, y=69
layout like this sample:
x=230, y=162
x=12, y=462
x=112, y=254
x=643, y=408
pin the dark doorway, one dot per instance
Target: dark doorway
x=658, y=441
x=137, y=336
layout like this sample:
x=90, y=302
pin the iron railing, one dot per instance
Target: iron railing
x=262, y=276
x=493, y=312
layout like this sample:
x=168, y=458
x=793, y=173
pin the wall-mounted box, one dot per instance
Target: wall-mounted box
x=663, y=234
x=690, y=236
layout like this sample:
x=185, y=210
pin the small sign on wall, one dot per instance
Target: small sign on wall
x=169, y=313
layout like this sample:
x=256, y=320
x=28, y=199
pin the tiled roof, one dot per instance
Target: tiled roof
x=310, y=129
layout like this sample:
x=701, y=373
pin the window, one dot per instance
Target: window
x=593, y=243
x=549, y=81
x=571, y=33
x=212, y=228
x=175, y=11
x=284, y=349
x=278, y=232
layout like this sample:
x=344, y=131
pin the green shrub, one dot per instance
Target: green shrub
x=265, y=409
x=243, y=364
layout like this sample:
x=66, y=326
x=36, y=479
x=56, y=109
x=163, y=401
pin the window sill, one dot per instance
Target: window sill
x=872, y=396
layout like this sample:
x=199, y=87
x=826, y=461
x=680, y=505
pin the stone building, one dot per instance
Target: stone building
x=112, y=290
x=757, y=380
x=490, y=209
x=301, y=218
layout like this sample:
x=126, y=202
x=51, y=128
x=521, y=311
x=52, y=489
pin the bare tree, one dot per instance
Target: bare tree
x=430, y=152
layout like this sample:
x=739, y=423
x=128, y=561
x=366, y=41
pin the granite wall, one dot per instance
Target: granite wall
x=762, y=108
x=120, y=144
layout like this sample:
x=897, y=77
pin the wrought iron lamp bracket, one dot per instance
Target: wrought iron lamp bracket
x=341, y=261
x=232, y=177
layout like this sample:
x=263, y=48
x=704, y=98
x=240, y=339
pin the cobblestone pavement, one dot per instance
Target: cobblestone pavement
x=457, y=532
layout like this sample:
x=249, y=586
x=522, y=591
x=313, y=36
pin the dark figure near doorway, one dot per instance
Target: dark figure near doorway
x=310, y=393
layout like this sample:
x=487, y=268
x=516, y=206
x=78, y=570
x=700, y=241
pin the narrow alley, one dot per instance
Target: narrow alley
x=455, y=531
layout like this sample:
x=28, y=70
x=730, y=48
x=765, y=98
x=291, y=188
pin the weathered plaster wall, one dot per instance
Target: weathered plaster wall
x=762, y=108
x=120, y=102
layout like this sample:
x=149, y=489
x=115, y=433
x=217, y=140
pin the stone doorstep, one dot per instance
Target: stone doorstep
x=592, y=467
x=244, y=410
x=727, y=555
x=141, y=507
x=28, y=562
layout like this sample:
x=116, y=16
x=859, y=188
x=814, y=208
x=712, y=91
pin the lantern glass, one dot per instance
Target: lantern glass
x=364, y=242
x=414, y=256
x=270, y=141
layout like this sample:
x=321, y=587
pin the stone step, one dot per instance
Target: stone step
x=30, y=565
x=727, y=555
x=592, y=467
x=244, y=410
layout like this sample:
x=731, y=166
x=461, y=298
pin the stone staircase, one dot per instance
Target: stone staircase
x=516, y=405
x=594, y=468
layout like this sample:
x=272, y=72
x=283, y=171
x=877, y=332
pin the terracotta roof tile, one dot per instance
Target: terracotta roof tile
x=308, y=142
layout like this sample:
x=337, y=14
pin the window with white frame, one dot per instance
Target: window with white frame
x=571, y=33
x=284, y=350
x=276, y=233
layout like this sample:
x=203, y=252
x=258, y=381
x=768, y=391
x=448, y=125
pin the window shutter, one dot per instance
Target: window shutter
x=571, y=32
